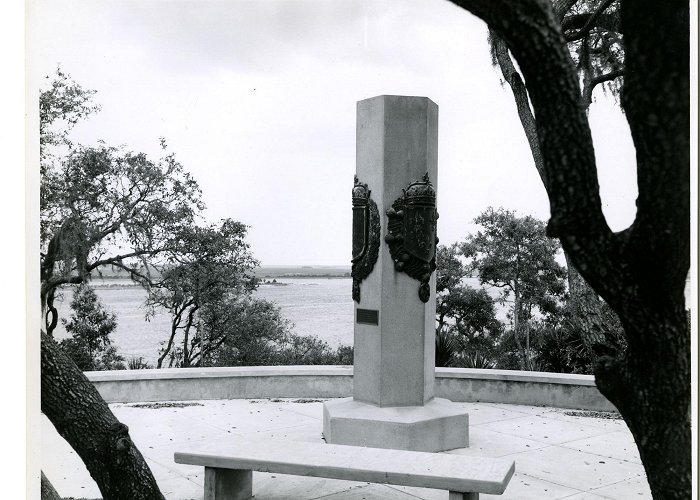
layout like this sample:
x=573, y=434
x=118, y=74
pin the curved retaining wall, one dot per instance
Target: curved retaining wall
x=456, y=384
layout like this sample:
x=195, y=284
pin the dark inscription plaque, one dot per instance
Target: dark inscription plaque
x=368, y=316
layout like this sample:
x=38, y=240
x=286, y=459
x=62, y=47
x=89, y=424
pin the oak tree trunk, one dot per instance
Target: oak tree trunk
x=84, y=420
x=650, y=386
x=639, y=272
x=48, y=492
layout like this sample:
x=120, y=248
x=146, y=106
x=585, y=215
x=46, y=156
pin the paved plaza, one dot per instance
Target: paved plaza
x=558, y=453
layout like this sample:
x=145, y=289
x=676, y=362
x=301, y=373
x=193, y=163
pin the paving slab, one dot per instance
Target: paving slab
x=556, y=455
x=487, y=443
x=632, y=489
x=617, y=444
x=544, y=430
x=575, y=469
x=586, y=496
x=521, y=487
x=483, y=413
x=369, y=492
x=277, y=486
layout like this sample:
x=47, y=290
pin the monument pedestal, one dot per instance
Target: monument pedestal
x=436, y=426
x=394, y=246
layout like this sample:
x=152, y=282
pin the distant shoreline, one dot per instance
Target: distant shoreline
x=266, y=274
x=287, y=276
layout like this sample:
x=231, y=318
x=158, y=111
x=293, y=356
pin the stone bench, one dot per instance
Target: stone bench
x=228, y=467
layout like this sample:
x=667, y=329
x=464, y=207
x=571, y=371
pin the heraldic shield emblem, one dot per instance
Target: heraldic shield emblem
x=365, y=236
x=412, y=233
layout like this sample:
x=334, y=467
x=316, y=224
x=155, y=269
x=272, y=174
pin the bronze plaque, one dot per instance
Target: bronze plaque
x=365, y=235
x=412, y=233
x=368, y=316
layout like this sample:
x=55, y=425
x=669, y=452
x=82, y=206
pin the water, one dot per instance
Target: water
x=317, y=306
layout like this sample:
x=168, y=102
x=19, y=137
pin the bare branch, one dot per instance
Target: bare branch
x=587, y=93
x=522, y=103
x=561, y=7
x=591, y=22
x=608, y=22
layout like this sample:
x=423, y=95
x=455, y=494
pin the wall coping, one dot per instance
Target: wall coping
x=516, y=376
x=331, y=370
x=222, y=372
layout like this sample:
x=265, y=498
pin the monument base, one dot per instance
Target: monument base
x=438, y=426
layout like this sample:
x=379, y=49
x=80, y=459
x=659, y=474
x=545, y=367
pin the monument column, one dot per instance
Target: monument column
x=394, y=238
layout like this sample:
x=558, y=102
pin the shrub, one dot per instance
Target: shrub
x=90, y=326
x=254, y=333
x=139, y=363
x=446, y=349
x=310, y=350
x=475, y=360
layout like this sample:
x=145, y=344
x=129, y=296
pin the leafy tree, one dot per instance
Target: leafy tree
x=250, y=329
x=90, y=326
x=99, y=206
x=514, y=254
x=207, y=268
x=641, y=271
x=466, y=318
x=110, y=208
x=61, y=106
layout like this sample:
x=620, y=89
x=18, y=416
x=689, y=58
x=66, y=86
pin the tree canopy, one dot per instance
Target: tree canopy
x=102, y=206
x=208, y=267
x=514, y=254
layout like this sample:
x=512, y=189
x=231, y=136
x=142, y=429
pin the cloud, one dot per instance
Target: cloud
x=257, y=99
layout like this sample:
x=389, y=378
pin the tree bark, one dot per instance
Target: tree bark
x=522, y=359
x=48, y=492
x=641, y=271
x=82, y=418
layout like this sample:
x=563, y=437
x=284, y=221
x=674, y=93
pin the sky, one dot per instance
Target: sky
x=257, y=100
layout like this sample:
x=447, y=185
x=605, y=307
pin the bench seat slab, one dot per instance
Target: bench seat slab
x=353, y=463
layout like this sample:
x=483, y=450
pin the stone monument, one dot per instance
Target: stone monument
x=394, y=238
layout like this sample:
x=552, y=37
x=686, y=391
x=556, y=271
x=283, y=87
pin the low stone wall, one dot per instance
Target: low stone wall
x=520, y=388
x=456, y=384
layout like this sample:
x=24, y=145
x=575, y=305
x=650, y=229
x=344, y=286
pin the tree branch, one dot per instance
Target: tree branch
x=561, y=7
x=587, y=93
x=144, y=279
x=117, y=259
x=590, y=23
x=522, y=103
x=609, y=22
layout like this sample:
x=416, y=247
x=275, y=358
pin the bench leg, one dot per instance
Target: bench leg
x=227, y=484
x=458, y=495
